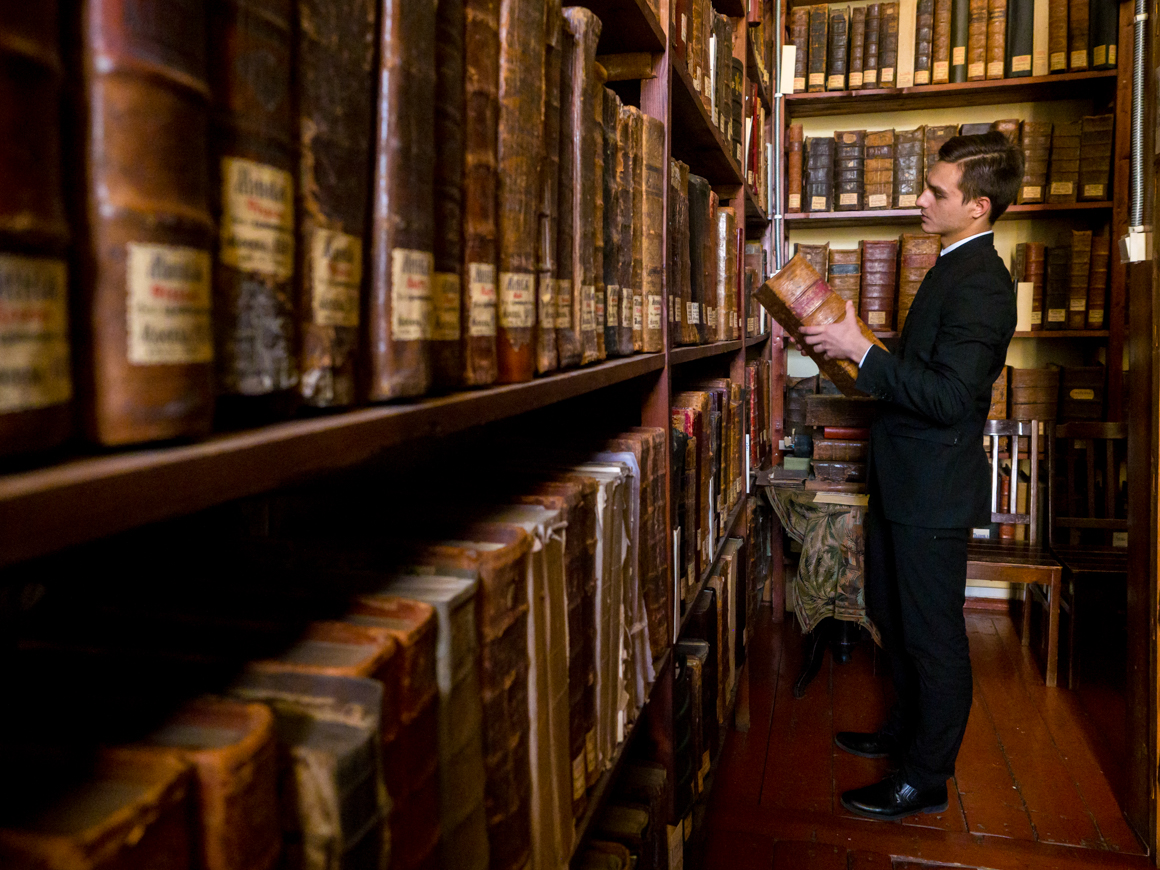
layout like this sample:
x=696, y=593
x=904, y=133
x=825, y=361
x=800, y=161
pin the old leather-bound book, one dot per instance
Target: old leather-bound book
x=679, y=504
x=252, y=184
x=977, y=41
x=960, y=35
x=1020, y=37
x=1098, y=281
x=696, y=191
x=653, y=216
x=703, y=622
x=1079, y=269
x=971, y=129
x=681, y=330
x=399, y=311
x=1095, y=157
x=481, y=65
x=907, y=23
x=1063, y=170
x=1077, y=35
x=690, y=414
x=644, y=784
x=35, y=376
x=1030, y=265
x=1034, y=393
x=935, y=138
x=879, y=283
x=1104, y=24
x=625, y=170
x=940, y=65
x=519, y=151
x=919, y=251
x=693, y=48
x=888, y=45
x=819, y=20
x=870, y=46
x=857, y=46
x=797, y=296
x=598, y=298
x=836, y=51
x=447, y=286
x=998, y=410
x=845, y=276
x=909, y=166
x=819, y=184
x=726, y=273
x=878, y=171
x=923, y=41
x=144, y=232
x=817, y=256
x=794, y=168
x=1012, y=128
x=849, y=156
x=799, y=34
x=334, y=89
x=1057, y=36
x=1057, y=289
x=1081, y=393
x=547, y=352
x=636, y=132
x=571, y=125
x=996, y=38
x=1036, y=142
x=610, y=264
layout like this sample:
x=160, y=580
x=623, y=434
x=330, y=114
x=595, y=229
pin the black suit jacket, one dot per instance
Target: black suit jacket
x=927, y=462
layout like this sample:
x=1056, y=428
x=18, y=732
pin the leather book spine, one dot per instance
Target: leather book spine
x=871, y=46
x=144, y=230
x=888, y=46
x=1104, y=22
x=335, y=59
x=996, y=38
x=977, y=41
x=1097, y=292
x=960, y=38
x=849, y=169
x=799, y=34
x=571, y=124
x=1063, y=169
x=1057, y=36
x=819, y=19
x=923, y=41
x=726, y=272
x=1095, y=157
x=598, y=290
x=940, y=61
x=447, y=288
x=919, y=251
x=836, y=57
x=707, y=308
x=519, y=151
x=818, y=256
x=1020, y=37
x=1079, y=274
x=653, y=249
x=846, y=274
x=879, y=283
x=1057, y=287
x=819, y=186
x=878, y=170
x=907, y=29
x=1011, y=128
x=1036, y=142
x=636, y=132
x=36, y=386
x=681, y=263
x=547, y=352
x=857, y=58
x=696, y=36
x=625, y=170
x=1039, y=37
x=909, y=169
x=936, y=137
x=481, y=65
x=252, y=193
x=1034, y=266
x=1077, y=35
x=399, y=310
x=794, y=169
x=610, y=264
x=972, y=129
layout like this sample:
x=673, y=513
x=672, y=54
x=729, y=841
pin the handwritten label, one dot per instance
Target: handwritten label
x=1099, y=55
x=817, y=203
x=942, y=70
x=855, y=79
x=877, y=318
x=1078, y=304
x=977, y=70
x=959, y=55
x=1095, y=317
x=564, y=303
x=1021, y=63
x=638, y=313
x=1036, y=318
x=817, y=79
x=612, y=305
x=517, y=300
x=445, y=300
x=799, y=84
x=1058, y=60
x=922, y=77
x=627, y=303
x=1082, y=395
x=336, y=276
x=1093, y=190
x=168, y=306
x=1056, y=315
x=869, y=77
x=547, y=313
x=598, y=300
x=887, y=75
x=481, y=300
x=257, y=224
x=836, y=83
x=1061, y=188
x=1031, y=192
x=1079, y=59
x=587, y=308
x=34, y=349
x=878, y=200
x=995, y=69
x=411, y=294
x=908, y=200
x=848, y=199
x=795, y=200
x=654, y=311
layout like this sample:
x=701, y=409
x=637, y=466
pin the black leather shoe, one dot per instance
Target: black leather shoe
x=893, y=799
x=872, y=744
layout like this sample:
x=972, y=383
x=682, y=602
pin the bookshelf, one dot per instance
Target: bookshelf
x=901, y=216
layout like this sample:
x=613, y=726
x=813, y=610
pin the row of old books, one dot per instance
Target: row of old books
x=756, y=155
x=1067, y=283
x=473, y=674
x=310, y=203
x=922, y=42
x=704, y=250
x=856, y=170
x=1063, y=393
x=757, y=267
x=702, y=40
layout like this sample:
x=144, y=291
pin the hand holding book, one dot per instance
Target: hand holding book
x=840, y=340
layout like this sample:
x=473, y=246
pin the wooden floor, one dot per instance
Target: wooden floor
x=1030, y=789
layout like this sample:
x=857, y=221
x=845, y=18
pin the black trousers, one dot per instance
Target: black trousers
x=915, y=590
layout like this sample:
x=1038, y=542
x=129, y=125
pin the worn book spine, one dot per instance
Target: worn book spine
x=818, y=256
x=794, y=169
x=481, y=66
x=1057, y=287
x=399, y=309
x=140, y=188
x=907, y=28
x=610, y=264
x=547, y=352
x=1095, y=157
x=919, y=252
x=879, y=283
x=653, y=217
x=819, y=185
x=857, y=47
x=252, y=190
x=909, y=170
x=1079, y=274
x=870, y=46
x=799, y=34
x=1039, y=38
x=849, y=169
x=1104, y=24
x=1057, y=36
x=696, y=35
x=936, y=137
x=36, y=387
x=846, y=274
x=1034, y=264
x=940, y=61
x=888, y=46
x=680, y=269
x=571, y=125
x=1011, y=128
x=836, y=56
x=819, y=18
x=977, y=41
x=518, y=154
x=598, y=176
x=1020, y=37
x=726, y=290
x=1097, y=293
x=625, y=174
x=636, y=132
x=335, y=99
x=447, y=285
x=1077, y=35
x=1063, y=169
x=960, y=38
x=1036, y=142
x=996, y=38
x=923, y=41
x=878, y=170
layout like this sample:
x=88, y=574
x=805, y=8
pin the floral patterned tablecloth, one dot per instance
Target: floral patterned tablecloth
x=829, y=578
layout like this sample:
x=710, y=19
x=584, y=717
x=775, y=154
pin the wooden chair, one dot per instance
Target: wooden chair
x=1086, y=517
x=1024, y=562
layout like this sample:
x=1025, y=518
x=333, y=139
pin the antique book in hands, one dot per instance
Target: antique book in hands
x=870, y=45
x=35, y=371
x=819, y=20
x=1095, y=157
x=849, y=167
x=909, y=166
x=799, y=34
x=1098, y=281
x=879, y=283
x=878, y=171
x=923, y=41
x=857, y=47
x=1077, y=35
x=1063, y=170
x=819, y=185
x=919, y=251
x=1057, y=36
x=1079, y=268
x=940, y=61
x=797, y=296
x=1104, y=24
x=794, y=169
x=1036, y=142
x=1020, y=37
x=836, y=52
x=996, y=38
x=888, y=45
x=817, y=256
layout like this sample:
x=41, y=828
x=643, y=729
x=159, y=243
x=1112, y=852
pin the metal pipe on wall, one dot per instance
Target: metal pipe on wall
x=777, y=173
x=1139, y=70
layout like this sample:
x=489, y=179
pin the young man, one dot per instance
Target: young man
x=929, y=481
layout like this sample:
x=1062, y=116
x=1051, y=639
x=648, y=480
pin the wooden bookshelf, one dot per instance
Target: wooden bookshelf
x=688, y=353
x=700, y=143
x=755, y=216
x=754, y=71
x=890, y=216
x=730, y=522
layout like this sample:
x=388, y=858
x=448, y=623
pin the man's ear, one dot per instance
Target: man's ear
x=981, y=207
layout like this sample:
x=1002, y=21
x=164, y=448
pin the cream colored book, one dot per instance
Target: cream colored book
x=907, y=17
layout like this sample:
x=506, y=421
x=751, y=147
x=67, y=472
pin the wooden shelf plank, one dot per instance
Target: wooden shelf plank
x=697, y=142
x=678, y=355
x=628, y=25
x=755, y=216
x=889, y=216
x=87, y=498
x=1067, y=86
x=1065, y=333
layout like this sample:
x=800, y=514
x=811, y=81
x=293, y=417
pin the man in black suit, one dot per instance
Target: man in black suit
x=929, y=480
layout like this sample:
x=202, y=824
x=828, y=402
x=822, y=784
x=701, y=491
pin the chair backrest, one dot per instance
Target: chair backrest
x=1019, y=433
x=1083, y=462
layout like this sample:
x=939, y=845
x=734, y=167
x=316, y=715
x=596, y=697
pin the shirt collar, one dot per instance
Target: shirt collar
x=962, y=242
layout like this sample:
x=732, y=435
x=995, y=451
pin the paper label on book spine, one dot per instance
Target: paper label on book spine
x=1111, y=55
x=1082, y=395
x=922, y=77
x=547, y=313
x=836, y=82
x=869, y=77
x=676, y=847
x=587, y=307
x=684, y=27
x=877, y=318
x=847, y=199
x=1095, y=317
x=168, y=305
x=1077, y=304
x=908, y=200
x=579, y=777
x=1079, y=59
x=818, y=79
x=598, y=300
x=1021, y=63
x=817, y=203
x=942, y=70
x=638, y=312
x=674, y=309
x=654, y=311
x=1058, y=60
x=445, y=299
x=517, y=300
x=691, y=312
x=799, y=84
x=590, y=751
x=257, y=223
x=411, y=294
x=878, y=200
x=564, y=303
x=627, y=303
x=1032, y=192
x=1096, y=190
x=1061, y=188
x=481, y=300
x=886, y=75
x=995, y=69
x=34, y=348
x=959, y=55
x=336, y=277
x=976, y=70
x=1037, y=318
x=612, y=305
x=1099, y=55
x=795, y=200
x=706, y=85
x=855, y=79
x=1056, y=315
x=696, y=75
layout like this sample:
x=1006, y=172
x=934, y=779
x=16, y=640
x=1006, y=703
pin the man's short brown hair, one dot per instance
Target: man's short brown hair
x=991, y=166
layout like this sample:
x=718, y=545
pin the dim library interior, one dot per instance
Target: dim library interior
x=407, y=459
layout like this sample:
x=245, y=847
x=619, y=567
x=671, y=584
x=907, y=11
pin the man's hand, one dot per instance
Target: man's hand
x=841, y=340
